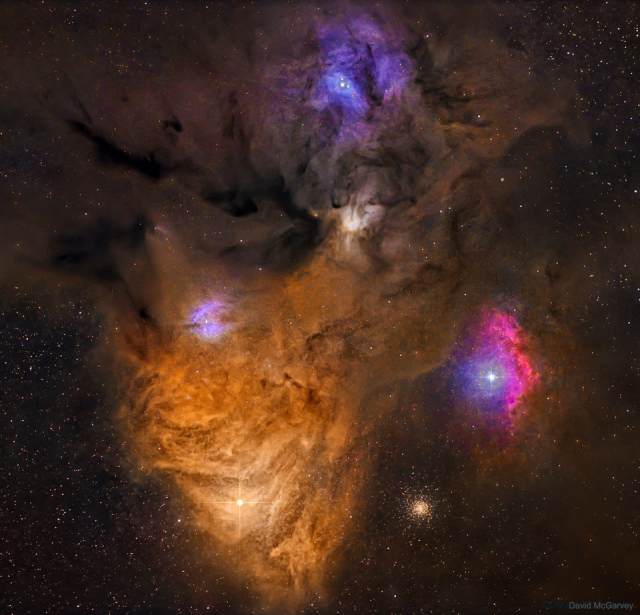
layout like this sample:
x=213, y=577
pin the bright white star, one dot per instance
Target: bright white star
x=239, y=502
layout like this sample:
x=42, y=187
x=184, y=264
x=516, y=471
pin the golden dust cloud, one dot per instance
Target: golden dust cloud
x=256, y=434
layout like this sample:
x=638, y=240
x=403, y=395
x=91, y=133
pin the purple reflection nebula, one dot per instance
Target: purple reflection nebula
x=206, y=320
x=494, y=368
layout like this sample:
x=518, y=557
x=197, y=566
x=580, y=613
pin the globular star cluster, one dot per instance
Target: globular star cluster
x=318, y=308
x=420, y=509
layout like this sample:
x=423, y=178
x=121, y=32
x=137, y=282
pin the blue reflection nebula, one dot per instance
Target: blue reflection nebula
x=364, y=66
x=493, y=368
x=207, y=321
x=485, y=376
x=344, y=90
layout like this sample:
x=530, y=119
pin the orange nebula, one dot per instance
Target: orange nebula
x=261, y=422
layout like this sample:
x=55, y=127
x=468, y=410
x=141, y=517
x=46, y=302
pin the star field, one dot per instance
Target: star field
x=319, y=308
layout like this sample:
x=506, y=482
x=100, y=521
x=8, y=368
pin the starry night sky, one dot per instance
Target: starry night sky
x=372, y=269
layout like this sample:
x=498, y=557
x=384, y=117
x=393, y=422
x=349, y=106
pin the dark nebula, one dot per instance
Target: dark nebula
x=319, y=308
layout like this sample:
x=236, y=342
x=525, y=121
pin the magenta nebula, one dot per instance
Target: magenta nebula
x=494, y=368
